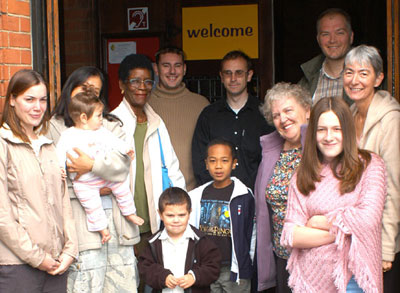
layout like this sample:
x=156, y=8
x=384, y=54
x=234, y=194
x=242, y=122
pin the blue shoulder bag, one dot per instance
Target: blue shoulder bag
x=166, y=182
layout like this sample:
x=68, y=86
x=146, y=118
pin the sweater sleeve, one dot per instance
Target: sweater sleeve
x=70, y=237
x=368, y=209
x=358, y=231
x=390, y=153
x=296, y=214
x=201, y=138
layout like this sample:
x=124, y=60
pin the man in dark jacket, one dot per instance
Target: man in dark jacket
x=236, y=119
x=323, y=74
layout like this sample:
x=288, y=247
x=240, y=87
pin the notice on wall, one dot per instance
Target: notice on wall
x=117, y=51
x=138, y=18
x=211, y=32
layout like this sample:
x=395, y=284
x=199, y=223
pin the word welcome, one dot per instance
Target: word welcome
x=217, y=32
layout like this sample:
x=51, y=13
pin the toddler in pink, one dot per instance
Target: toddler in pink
x=88, y=135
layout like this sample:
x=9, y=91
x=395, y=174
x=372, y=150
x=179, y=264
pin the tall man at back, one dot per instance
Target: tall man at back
x=177, y=106
x=323, y=74
x=235, y=118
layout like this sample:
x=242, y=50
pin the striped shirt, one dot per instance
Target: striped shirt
x=328, y=86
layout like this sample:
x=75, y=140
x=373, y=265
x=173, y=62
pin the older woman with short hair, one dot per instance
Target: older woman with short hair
x=287, y=107
x=377, y=118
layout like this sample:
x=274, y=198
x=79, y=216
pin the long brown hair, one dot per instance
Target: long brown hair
x=348, y=166
x=20, y=82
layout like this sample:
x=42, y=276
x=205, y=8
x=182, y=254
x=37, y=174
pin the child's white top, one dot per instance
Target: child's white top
x=94, y=143
x=174, y=255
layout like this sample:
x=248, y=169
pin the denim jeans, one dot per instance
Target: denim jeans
x=352, y=286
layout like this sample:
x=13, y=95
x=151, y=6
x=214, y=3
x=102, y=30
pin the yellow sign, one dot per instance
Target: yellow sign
x=211, y=32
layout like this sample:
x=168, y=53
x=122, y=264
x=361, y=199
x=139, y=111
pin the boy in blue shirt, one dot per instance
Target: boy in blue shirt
x=224, y=209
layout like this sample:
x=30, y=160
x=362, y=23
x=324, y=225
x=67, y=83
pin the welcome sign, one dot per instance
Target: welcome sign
x=211, y=32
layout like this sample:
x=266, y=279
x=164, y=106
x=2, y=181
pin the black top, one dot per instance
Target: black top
x=215, y=219
x=244, y=129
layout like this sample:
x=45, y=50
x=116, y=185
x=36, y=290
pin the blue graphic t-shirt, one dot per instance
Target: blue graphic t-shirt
x=215, y=219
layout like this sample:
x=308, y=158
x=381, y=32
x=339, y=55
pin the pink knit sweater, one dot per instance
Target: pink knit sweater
x=357, y=226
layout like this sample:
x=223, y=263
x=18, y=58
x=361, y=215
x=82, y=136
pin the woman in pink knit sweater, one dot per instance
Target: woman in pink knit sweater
x=335, y=205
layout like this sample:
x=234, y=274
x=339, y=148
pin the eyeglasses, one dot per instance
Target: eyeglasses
x=237, y=73
x=137, y=82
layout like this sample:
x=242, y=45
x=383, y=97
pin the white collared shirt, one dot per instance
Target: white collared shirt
x=174, y=255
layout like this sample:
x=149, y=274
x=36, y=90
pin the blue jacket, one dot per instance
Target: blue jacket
x=242, y=224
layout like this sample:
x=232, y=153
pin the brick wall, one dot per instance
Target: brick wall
x=15, y=41
x=79, y=34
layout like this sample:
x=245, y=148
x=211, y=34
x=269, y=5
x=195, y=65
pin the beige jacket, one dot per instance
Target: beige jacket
x=381, y=134
x=35, y=211
x=114, y=167
x=151, y=156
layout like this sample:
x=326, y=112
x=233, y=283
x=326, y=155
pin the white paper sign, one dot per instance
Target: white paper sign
x=117, y=51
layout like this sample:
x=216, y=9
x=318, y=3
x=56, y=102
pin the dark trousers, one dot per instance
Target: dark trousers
x=139, y=248
x=26, y=279
x=282, y=276
x=391, y=279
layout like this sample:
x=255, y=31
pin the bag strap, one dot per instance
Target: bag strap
x=161, y=149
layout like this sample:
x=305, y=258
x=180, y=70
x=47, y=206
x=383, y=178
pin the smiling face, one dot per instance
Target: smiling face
x=170, y=69
x=235, y=75
x=136, y=97
x=288, y=116
x=220, y=164
x=329, y=136
x=30, y=106
x=334, y=37
x=359, y=81
x=175, y=218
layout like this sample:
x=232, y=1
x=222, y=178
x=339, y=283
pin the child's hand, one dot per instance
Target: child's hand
x=105, y=235
x=135, y=219
x=131, y=154
x=63, y=174
x=171, y=282
x=186, y=281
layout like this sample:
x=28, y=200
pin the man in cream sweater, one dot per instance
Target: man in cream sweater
x=177, y=106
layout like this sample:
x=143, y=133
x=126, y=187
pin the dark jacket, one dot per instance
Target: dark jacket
x=203, y=258
x=243, y=130
x=311, y=70
x=243, y=226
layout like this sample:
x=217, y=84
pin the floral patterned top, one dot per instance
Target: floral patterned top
x=277, y=194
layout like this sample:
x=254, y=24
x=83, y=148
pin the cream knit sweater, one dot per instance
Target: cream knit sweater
x=179, y=109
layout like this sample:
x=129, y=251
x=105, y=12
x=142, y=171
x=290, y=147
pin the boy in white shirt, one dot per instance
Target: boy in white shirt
x=88, y=135
x=179, y=256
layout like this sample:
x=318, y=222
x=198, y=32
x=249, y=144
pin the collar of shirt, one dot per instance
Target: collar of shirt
x=251, y=104
x=323, y=72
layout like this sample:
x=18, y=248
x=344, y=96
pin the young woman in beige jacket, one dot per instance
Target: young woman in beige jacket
x=37, y=233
